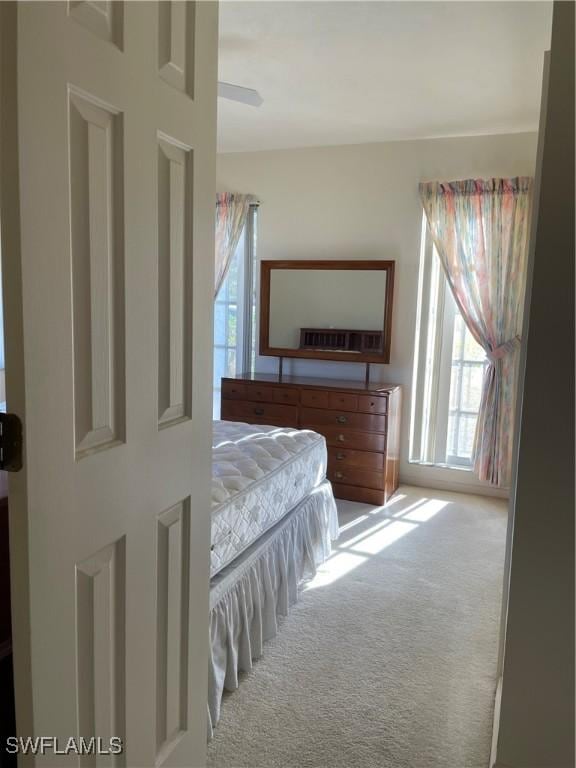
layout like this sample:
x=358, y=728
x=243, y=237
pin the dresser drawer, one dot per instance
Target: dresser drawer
x=233, y=391
x=259, y=393
x=357, y=493
x=345, y=457
x=372, y=404
x=348, y=438
x=364, y=421
x=343, y=401
x=367, y=478
x=315, y=399
x=255, y=413
x=285, y=395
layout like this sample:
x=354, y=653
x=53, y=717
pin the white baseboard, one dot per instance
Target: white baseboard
x=496, y=726
x=408, y=478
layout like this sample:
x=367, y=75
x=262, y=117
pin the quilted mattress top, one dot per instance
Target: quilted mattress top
x=245, y=453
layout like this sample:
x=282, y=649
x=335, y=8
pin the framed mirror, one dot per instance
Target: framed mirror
x=327, y=310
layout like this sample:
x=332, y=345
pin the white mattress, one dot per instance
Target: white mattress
x=259, y=474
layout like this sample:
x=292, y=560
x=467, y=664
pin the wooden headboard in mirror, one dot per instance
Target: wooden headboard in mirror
x=327, y=310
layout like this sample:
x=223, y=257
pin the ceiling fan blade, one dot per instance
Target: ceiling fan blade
x=239, y=93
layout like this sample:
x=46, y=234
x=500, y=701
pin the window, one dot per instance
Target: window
x=234, y=312
x=467, y=375
x=449, y=369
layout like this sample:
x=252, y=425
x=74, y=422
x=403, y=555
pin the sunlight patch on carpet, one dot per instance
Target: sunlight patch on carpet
x=334, y=569
x=353, y=549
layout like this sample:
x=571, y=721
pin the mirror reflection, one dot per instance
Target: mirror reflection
x=327, y=310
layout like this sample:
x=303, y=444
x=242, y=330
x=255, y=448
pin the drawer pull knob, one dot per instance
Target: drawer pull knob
x=340, y=456
x=259, y=411
x=341, y=438
x=338, y=475
x=342, y=419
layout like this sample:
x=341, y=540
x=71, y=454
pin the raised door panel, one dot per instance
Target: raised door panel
x=103, y=18
x=97, y=240
x=174, y=281
x=101, y=646
x=176, y=44
x=172, y=597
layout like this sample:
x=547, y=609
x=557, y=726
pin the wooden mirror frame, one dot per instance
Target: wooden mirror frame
x=266, y=268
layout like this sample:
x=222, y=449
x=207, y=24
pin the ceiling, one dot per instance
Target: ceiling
x=355, y=72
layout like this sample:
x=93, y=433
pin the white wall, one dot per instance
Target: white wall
x=361, y=201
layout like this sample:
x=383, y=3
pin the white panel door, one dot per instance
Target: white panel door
x=108, y=187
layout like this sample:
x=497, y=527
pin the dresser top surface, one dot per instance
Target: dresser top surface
x=309, y=381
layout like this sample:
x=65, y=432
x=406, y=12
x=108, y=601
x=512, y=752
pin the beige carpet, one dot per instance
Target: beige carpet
x=389, y=658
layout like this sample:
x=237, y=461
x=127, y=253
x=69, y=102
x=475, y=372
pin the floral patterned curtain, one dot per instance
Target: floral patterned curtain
x=231, y=213
x=480, y=230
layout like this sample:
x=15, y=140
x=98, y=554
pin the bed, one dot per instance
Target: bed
x=273, y=520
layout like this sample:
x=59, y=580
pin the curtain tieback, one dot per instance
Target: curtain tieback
x=503, y=349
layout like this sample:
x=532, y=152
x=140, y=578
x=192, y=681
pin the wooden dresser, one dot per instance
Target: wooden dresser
x=361, y=424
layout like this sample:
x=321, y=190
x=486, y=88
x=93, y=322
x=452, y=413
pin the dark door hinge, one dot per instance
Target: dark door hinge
x=10, y=442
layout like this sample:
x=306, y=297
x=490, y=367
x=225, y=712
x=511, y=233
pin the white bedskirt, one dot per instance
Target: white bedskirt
x=248, y=597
